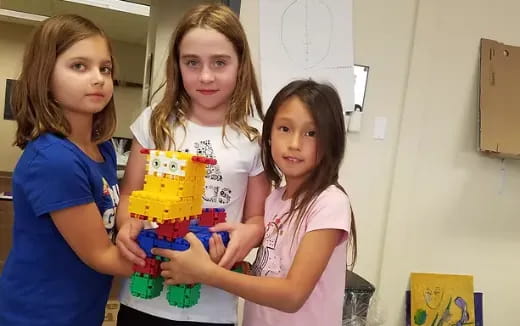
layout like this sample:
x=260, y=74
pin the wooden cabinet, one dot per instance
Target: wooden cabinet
x=6, y=219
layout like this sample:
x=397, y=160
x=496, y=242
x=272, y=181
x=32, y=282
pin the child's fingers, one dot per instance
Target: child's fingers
x=130, y=250
x=213, y=250
x=230, y=255
x=134, y=229
x=222, y=227
x=172, y=281
x=129, y=255
x=132, y=247
x=194, y=241
x=167, y=274
x=216, y=248
x=221, y=248
x=126, y=241
x=166, y=253
x=219, y=245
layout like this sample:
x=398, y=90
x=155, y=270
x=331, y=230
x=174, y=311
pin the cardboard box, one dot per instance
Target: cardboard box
x=499, y=100
x=111, y=310
x=112, y=306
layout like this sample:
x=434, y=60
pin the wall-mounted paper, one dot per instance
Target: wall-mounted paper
x=306, y=39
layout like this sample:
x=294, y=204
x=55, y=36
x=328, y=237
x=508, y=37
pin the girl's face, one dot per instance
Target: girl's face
x=81, y=82
x=208, y=64
x=294, y=141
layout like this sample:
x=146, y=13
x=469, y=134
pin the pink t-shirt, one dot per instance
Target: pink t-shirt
x=324, y=306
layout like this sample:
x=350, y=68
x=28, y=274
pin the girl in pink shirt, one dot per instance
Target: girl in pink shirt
x=300, y=267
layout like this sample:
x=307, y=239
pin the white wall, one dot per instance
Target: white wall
x=425, y=200
x=128, y=108
x=452, y=210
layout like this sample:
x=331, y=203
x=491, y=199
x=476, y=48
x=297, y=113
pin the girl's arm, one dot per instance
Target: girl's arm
x=286, y=294
x=132, y=180
x=83, y=230
x=248, y=235
x=129, y=228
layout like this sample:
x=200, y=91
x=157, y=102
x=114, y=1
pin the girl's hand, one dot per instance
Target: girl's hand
x=243, y=238
x=127, y=244
x=186, y=267
x=216, y=248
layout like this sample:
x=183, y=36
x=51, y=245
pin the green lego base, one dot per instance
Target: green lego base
x=183, y=295
x=145, y=287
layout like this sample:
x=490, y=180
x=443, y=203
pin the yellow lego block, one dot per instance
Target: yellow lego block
x=138, y=203
x=173, y=187
x=160, y=207
x=152, y=183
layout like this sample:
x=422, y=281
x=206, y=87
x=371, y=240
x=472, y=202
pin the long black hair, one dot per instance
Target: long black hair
x=324, y=104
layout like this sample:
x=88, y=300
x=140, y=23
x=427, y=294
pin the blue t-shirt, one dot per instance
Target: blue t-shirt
x=44, y=282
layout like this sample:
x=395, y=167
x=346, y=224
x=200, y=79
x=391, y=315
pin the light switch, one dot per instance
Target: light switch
x=379, y=128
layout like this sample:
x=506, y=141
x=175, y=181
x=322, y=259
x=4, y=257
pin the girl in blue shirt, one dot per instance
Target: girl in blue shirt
x=65, y=191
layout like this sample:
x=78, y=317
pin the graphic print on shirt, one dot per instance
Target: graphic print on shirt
x=110, y=201
x=204, y=148
x=215, y=193
x=267, y=262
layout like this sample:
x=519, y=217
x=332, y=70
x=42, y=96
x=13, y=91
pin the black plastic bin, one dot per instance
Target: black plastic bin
x=357, y=299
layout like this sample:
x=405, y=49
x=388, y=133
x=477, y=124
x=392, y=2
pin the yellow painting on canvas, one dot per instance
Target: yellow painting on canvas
x=442, y=300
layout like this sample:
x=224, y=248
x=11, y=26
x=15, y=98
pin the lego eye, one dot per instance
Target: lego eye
x=173, y=166
x=156, y=163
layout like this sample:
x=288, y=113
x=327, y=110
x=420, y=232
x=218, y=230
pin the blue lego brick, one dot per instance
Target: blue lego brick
x=146, y=240
x=162, y=243
x=203, y=233
x=180, y=244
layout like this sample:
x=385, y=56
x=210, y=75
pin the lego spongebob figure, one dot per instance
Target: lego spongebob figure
x=173, y=187
x=171, y=197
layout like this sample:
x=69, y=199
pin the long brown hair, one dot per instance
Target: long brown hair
x=33, y=106
x=176, y=101
x=324, y=104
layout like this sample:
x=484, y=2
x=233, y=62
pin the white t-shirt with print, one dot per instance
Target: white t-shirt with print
x=226, y=187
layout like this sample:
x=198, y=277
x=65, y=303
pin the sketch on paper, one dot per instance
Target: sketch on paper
x=442, y=300
x=306, y=39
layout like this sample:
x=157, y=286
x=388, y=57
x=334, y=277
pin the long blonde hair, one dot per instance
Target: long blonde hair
x=176, y=101
x=33, y=107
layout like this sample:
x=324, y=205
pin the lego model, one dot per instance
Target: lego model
x=172, y=198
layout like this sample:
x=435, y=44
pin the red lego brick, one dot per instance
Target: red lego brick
x=205, y=160
x=151, y=267
x=206, y=218
x=220, y=218
x=212, y=216
x=172, y=230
